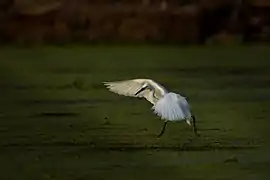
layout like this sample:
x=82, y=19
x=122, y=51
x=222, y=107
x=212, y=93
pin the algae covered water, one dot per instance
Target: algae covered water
x=57, y=120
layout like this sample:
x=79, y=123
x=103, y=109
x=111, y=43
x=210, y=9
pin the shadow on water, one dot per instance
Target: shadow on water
x=218, y=70
x=210, y=70
x=130, y=147
x=64, y=102
x=55, y=114
x=36, y=87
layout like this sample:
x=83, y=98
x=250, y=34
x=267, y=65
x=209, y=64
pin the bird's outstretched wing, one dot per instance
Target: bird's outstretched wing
x=127, y=87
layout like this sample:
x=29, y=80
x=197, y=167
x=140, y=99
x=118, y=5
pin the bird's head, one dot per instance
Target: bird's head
x=143, y=87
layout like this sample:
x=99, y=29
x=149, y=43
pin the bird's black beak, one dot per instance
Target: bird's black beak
x=194, y=125
x=141, y=90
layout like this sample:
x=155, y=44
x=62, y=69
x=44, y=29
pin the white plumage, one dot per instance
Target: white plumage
x=168, y=105
x=172, y=107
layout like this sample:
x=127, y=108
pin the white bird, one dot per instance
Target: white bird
x=168, y=105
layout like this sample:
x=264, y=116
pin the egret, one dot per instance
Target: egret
x=168, y=106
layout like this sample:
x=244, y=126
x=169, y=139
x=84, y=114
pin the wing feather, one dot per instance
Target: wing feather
x=126, y=88
x=130, y=87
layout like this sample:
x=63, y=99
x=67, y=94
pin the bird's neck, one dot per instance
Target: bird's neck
x=151, y=97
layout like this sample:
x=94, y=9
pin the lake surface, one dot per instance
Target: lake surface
x=57, y=120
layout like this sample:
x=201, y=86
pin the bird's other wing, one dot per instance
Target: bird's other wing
x=127, y=87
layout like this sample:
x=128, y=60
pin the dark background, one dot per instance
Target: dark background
x=152, y=21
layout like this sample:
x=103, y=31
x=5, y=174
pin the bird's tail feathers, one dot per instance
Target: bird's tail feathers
x=169, y=108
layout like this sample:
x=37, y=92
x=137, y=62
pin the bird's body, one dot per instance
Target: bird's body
x=168, y=105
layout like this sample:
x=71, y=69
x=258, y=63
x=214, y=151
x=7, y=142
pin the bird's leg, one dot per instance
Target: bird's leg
x=163, y=129
x=194, y=126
